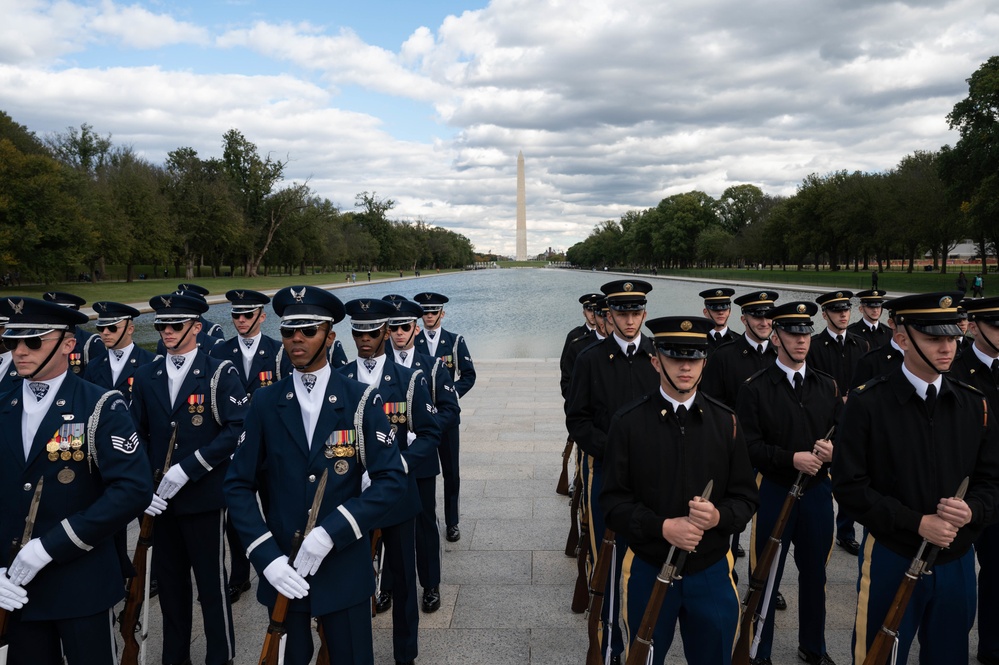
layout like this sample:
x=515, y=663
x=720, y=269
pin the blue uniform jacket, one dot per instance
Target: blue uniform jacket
x=9, y=377
x=452, y=350
x=274, y=452
x=269, y=364
x=83, y=503
x=335, y=355
x=206, y=438
x=442, y=390
x=89, y=348
x=99, y=371
x=418, y=415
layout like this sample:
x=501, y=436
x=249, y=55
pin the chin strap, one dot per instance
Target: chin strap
x=981, y=333
x=922, y=355
x=48, y=358
x=669, y=380
x=321, y=349
x=124, y=329
x=180, y=342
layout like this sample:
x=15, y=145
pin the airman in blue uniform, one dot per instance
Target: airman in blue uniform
x=412, y=416
x=207, y=327
x=403, y=329
x=116, y=368
x=311, y=422
x=88, y=345
x=210, y=334
x=8, y=373
x=205, y=399
x=449, y=347
x=77, y=438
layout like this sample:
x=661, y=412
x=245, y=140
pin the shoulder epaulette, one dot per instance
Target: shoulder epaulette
x=716, y=402
x=968, y=386
x=873, y=381
x=632, y=405
x=822, y=373
x=756, y=375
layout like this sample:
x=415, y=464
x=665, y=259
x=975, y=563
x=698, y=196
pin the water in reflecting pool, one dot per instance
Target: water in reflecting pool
x=514, y=313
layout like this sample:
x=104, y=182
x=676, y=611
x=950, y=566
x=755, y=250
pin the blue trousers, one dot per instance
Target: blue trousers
x=706, y=605
x=611, y=611
x=810, y=529
x=941, y=610
x=428, y=535
x=85, y=640
x=987, y=548
x=448, y=453
x=348, y=636
x=399, y=577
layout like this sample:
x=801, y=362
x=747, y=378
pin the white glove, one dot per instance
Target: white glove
x=284, y=578
x=314, y=549
x=28, y=562
x=12, y=597
x=173, y=480
x=157, y=506
x=410, y=438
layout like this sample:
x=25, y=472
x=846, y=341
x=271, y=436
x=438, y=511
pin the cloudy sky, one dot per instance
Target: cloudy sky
x=615, y=105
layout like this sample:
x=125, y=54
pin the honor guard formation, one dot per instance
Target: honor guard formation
x=874, y=437
x=689, y=446
x=280, y=454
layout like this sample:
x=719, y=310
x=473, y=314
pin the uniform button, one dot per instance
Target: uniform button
x=312, y=479
x=27, y=486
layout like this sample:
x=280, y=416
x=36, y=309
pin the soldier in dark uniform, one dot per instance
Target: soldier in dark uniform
x=786, y=410
x=879, y=362
x=205, y=399
x=718, y=308
x=662, y=450
x=449, y=347
x=408, y=407
x=259, y=361
x=207, y=327
x=869, y=327
x=79, y=439
x=979, y=367
x=315, y=421
x=576, y=340
x=607, y=375
x=905, y=443
x=8, y=373
x=116, y=368
x=203, y=340
x=736, y=361
x=836, y=351
x=403, y=328
x=88, y=345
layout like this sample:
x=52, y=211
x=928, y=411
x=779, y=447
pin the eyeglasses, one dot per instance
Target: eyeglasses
x=33, y=343
x=308, y=331
x=405, y=327
x=110, y=328
x=243, y=315
x=176, y=327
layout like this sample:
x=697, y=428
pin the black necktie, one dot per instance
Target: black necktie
x=797, y=385
x=681, y=414
x=759, y=349
x=931, y=397
x=839, y=340
x=630, y=351
x=717, y=336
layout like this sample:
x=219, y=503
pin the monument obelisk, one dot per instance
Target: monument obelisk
x=521, y=210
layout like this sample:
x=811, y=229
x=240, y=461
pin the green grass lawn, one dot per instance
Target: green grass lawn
x=143, y=290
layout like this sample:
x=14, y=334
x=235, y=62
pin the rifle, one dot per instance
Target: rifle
x=129, y=622
x=15, y=548
x=378, y=563
x=886, y=638
x=758, y=580
x=598, y=582
x=581, y=594
x=275, y=629
x=670, y=572
x=563, y=480
x=324, y=651
x=572, y=540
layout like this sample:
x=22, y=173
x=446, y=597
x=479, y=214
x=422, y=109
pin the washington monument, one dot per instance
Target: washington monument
x=521, y=210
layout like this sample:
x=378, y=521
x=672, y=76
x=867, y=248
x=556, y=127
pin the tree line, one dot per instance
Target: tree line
x=928, y=202
x=75, y=200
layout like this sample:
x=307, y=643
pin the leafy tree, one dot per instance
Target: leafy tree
x=83, y=149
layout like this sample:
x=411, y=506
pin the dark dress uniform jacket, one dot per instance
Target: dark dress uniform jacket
x=442, y=392
x=731, y=364
x=202, y=451
x=729, y=337
x=894, y=462
x=99, y=371
x=89, y=348
x=268, y=358
x=969, y=368
x=9, y=378
x=578, y=339
x=452, y=350
x=777, y=425
x=879, y=362
x=653, y=468
x=77, y=517
x=875, y=339
x=274, y=451
x=603, y=381
x=404, y=387
x=825, y=355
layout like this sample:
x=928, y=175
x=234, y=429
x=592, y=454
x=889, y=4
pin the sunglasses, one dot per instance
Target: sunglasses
x=308, y=331
x=405, y=327
x=110, y=328
x=176, y=327
x=365, y=333
x=243, y=315
x=33, y=343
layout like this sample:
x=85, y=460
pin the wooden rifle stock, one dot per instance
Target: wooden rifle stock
x=563, y=480
x=670, y=572
x=275, y=629
x=324, y=651
x=572, y=541
x=581, y=594
x=129, y=620
x=15, y=549
x=884, y=640
x=598, y=582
